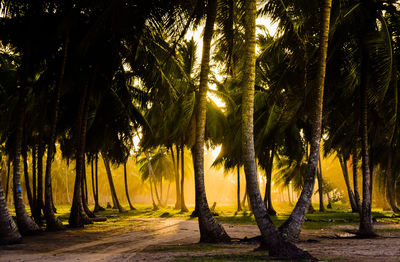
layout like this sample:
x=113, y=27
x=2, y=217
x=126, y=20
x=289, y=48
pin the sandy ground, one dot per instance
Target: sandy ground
x=142, y=240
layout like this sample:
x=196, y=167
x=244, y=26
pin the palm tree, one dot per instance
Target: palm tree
x=292, y=227
x=52, y=223
x=126, y=188
x=210, y=229
x=112, y=187
x=277, y=246
x=8, y=231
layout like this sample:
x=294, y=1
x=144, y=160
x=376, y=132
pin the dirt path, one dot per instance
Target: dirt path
x=143, y=239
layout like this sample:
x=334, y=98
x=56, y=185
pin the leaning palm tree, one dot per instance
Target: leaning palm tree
x=210, y=229
x=276, y=245
x=292, y=227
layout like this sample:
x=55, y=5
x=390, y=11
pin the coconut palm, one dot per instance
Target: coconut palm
x=270, y=235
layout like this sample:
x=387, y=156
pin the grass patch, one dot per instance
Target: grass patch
x=340, y=215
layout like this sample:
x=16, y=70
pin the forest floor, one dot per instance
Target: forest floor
x=166, y=235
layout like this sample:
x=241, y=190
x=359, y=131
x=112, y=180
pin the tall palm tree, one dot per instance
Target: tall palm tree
x=292, y=227
x=210, y=229
x=277, y=246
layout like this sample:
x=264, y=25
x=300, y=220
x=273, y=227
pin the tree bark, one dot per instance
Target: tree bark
x=8, y=176
x=25, y=224
x=41, y=149
x=177, y=186
x=270, y=208
x=366, y=227
x=355, y=178
x=397, y=193
x=110, y=180
x=343, y=165
x=320, y=188
x=52, y=222
x=210, y=230
x=292, y=227
x=84, y=193
x=84, y=187
x=97, y=206
x=239, y=206
x=8, y=230
x=151, y=171
x=268, y=172
x=66, y=182
x=78, y=217
x=93, y=181
x=183, y=205
x=126, y=189
x=276, y=245
x=26, y=176
x=34, y=198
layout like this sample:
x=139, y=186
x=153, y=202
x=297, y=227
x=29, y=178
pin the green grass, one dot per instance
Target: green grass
x=340, y=215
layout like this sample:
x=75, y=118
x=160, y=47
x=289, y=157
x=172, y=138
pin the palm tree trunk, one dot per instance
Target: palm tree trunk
x=52, y=222
x=89, y=213
x=355, y=178
x=34, y=198
x=110, y=180
x=292, y=227
x=177, y=186
x=39, y=203
x=270, y=209
x=97, y=206
x=276, y=245
x=343, y=165
x=26, y=176
x=155, y=207
x=41, y=149
x=320, y=188
x=210, y=229
x=78, y=216
x=151, y=171
x=239, y=206
x=8, y=230
x=25, y=224
x=8, y=176
x=66, y=182
x=92, y=174
x=366, y=227
x=126, y=189
x=85, y=188
x=183, y=205
x=267, y=160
